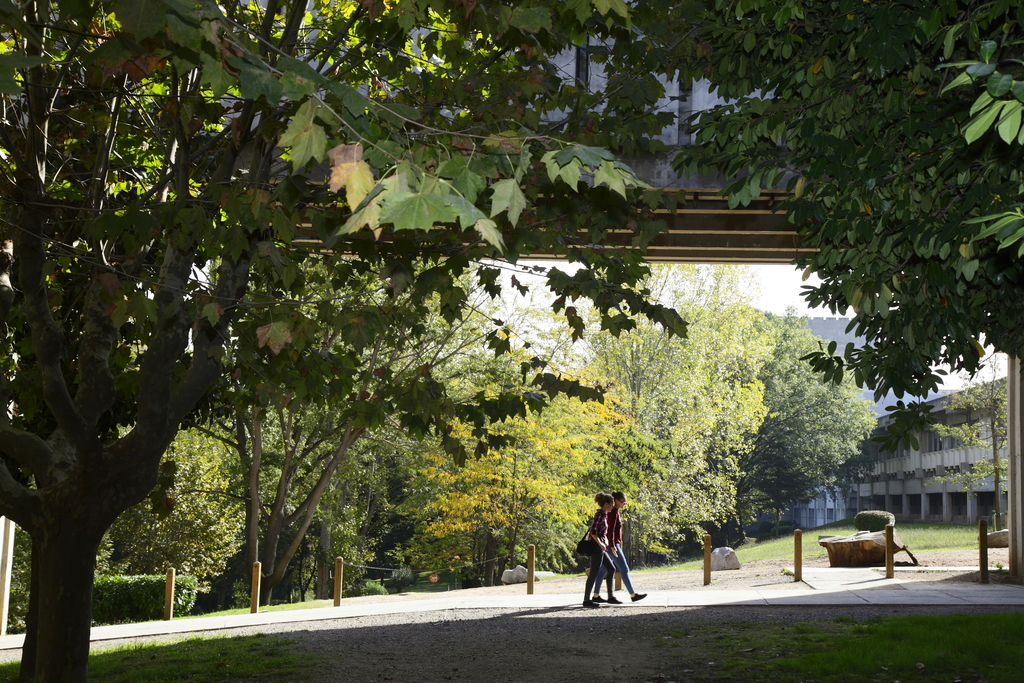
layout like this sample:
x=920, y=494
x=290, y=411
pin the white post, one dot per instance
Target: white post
x=1015, y=477
x=6, y=560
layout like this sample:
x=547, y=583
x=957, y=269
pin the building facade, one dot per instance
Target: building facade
x=903, y=482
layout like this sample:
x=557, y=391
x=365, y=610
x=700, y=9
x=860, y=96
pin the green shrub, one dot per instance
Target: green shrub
x=126, y=599
x=368, y=588
x=402, y=577
x=873, y=520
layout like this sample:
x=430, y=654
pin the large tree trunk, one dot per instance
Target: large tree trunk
x=67, y=561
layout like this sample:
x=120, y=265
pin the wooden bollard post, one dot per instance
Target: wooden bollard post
x=531, y=556
x=707, y=559
x=983, y=550
x=257, y=576
x=890, y=568
x=618, y=581
x=339, y=573
x=798, y=555
x=169, y=595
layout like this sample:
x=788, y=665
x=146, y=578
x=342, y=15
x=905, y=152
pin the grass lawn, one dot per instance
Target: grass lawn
x=915, y=536
x=199, y=659
x=923, y=649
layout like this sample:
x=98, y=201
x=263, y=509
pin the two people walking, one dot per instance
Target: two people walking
x=607, y=558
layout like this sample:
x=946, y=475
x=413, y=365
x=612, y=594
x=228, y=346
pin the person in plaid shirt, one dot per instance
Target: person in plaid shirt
x=614, y=522
x=599, y=558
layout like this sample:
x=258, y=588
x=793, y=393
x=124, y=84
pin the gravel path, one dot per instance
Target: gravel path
x=621, y=644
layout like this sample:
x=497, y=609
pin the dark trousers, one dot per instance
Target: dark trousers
x=596, y=560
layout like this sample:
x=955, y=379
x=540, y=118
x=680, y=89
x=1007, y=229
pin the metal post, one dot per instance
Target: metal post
x=254, y=602
x=169, y=595
x=890, y=569
x=983, y=550
x=339, y=572
x=707, y=559
x=798, y=555
x=531, y=556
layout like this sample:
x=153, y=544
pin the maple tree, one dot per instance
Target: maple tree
x=169, y=169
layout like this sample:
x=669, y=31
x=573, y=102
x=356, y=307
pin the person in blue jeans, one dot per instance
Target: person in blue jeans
x=614, y=522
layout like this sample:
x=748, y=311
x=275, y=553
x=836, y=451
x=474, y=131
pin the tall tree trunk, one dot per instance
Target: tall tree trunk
x=67, y=562
x=323, y=562
x=252, y=509
x=489, y=551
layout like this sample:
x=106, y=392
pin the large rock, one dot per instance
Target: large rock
x=862, y=549
x=724, y=558
x=999, y=539
x=517, y=575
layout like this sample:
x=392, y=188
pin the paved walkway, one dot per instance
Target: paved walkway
x=820, y=586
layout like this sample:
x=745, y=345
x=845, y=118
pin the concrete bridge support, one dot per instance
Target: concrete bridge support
x=1015, y=476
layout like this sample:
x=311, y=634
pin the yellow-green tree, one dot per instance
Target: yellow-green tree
x=534, y=491
x=696, y=402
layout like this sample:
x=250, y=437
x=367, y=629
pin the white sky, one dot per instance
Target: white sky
x=780, y=288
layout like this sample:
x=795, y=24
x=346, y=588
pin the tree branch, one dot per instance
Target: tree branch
x=97, y=390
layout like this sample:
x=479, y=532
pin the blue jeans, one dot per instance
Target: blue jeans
x=619, y=560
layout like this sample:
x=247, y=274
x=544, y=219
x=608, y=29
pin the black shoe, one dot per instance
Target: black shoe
x=614, y=601
x=590, y=603
x=638, y=597
x=597, y=598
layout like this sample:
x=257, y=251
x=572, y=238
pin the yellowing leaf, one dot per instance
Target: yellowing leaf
x=488, y=229
x=274, y=335
x=343, y=164
x=818, y=65
x=360, y=182
x=867, y=208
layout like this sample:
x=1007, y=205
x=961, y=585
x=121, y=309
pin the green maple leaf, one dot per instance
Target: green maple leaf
x=255, y=81
x=588, y=156
x=8, y=63
x=508, y=196
x=142, y=18
x=467, y=212
x=306, y=139
x=413, y=210
x=611, y=176
x=531, y=19
x=214, y=75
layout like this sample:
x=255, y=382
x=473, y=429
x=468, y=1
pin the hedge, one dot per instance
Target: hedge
x=873, y=520
x=126, y=599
